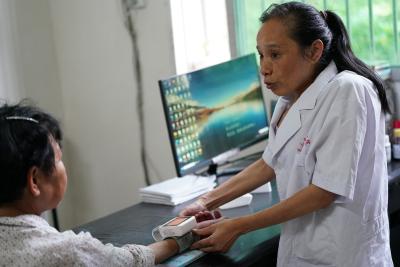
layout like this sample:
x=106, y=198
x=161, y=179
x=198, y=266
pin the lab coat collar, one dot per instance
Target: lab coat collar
x=308, y=98
x=292, y=122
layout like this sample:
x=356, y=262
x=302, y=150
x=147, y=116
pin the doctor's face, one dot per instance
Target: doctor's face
x=283, y=63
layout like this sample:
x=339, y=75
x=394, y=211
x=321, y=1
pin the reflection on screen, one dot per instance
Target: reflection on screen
x=213, y=110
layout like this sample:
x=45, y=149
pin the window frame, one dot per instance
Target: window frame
x=237, y=25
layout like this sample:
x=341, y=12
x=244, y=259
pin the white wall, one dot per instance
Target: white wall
x=76, y=62
x=29, y=67
x=10, y=87
x=99, y=101
x=37, y=65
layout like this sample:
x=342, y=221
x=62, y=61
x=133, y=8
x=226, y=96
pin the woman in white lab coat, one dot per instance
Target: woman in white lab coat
x=325, y=149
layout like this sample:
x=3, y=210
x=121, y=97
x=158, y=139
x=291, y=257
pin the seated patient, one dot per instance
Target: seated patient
x=32, y=180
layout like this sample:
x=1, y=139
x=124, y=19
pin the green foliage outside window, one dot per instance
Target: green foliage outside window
x=373, y=25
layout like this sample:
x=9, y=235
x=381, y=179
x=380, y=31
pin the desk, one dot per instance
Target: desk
x=134, y=225
x=394, y=187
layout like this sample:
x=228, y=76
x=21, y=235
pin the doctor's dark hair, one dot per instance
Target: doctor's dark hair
x=26, y=134
x=306, y=24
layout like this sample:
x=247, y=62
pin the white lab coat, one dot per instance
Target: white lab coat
x=333, y=137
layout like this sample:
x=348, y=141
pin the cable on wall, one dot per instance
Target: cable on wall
x=127, y=5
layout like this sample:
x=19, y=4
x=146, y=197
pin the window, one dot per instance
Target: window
x=373, y=26
x=200, y=33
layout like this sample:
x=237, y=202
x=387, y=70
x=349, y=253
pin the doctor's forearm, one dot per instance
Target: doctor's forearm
x=250, y=178
x=310, y=199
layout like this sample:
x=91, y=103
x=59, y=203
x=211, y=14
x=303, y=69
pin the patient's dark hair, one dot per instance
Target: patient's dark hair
x=306, y=24
x=26, y=134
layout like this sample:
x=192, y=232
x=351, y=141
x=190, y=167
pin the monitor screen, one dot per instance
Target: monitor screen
x=212, y=111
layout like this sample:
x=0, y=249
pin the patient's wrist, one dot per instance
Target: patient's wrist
x=172, y=245
x=184, y=242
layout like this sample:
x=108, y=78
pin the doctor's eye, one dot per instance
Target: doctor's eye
x=275, y=55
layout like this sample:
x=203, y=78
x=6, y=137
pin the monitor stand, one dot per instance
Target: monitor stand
x=212, y=169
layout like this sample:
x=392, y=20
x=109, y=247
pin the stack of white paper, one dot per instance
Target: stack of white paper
x=177, y=190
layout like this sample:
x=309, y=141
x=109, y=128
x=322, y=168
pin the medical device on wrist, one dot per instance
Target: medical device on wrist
x=176, y=227
x=184, y=242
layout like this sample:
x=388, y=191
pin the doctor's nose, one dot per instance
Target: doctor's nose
x=265, y=68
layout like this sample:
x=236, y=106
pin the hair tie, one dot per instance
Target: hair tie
x=323, y=14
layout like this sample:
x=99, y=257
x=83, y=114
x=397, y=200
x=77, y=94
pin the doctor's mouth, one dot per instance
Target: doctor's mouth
x=271, y=86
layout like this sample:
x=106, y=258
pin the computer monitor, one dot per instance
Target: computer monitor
x=213, y=111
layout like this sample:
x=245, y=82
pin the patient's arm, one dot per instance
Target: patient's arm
x=173, y=245
x=164, y=249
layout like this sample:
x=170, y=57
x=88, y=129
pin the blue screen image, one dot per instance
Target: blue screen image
x=213, y=110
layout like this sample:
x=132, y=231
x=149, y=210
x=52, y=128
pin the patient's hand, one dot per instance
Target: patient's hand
x=206, y=215
x=207, y=223
x=194, y=208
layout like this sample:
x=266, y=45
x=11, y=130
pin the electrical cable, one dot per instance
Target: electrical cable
x=139, y=95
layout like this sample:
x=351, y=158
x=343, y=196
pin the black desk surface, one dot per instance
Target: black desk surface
x=394, y=171
x=134, y=225
x=394, y=188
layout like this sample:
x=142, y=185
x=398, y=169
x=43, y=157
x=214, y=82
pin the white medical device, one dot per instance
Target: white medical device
x=178, y=226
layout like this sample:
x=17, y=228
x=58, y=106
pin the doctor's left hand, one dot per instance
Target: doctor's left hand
x=217, y=237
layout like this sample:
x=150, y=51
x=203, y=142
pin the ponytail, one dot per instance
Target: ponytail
x=306, y=25
x=343, y=56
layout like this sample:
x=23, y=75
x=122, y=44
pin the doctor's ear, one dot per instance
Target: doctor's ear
x=33, y=181
x=314, y=52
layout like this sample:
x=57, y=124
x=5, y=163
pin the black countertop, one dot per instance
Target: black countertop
x=134, y=225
